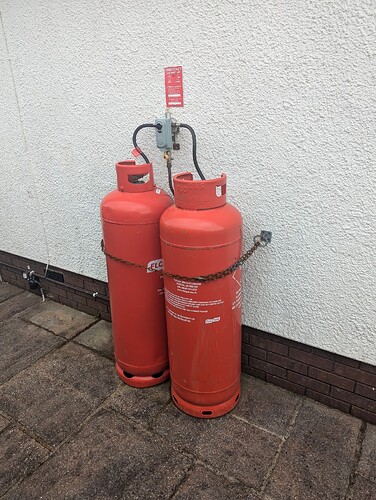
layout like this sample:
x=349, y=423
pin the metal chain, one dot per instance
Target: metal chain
x=258, y=241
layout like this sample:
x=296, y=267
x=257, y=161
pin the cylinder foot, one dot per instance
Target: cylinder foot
x=142, y=381
x=211, y=411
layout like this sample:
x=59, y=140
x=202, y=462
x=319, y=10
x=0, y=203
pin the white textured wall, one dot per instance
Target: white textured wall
x=282, y=96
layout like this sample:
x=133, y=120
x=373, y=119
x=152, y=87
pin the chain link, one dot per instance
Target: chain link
x=259, y=242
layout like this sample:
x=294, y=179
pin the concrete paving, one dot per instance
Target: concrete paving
x=70, y=429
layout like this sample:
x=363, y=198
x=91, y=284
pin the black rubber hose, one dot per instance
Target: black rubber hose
x=170, y=183
x=140, y=127
x=194, y=149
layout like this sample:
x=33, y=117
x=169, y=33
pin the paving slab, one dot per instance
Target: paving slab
x=203, y=484
x=49, y=409
x=233, y=446
x=17, y=304
x=266, y=405
x=108, y=459
x=7, y=291
x=3, y=423
x=21, y=345
x=52, y=397
x=317, y=459
x=367, y=462
x=82, y=370
x=19, y=456
x=141, y=405
x=59, y=319
x=139, y=445
x=363, y=489
x=99, y=338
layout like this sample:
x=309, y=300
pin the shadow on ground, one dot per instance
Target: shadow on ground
x=69, y=428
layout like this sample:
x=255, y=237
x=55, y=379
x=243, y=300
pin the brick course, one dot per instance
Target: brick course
x=76, y=291
x=336, y=381
x=331, y=378
x=366, y=390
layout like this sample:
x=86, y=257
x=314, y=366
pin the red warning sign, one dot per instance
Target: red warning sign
x=174, y=86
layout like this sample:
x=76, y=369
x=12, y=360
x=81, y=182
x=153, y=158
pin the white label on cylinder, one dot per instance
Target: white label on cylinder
x=155, y=265
x=190, y=304
x=212, y=320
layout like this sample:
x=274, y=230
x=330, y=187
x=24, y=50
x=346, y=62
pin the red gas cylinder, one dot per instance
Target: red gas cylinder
x=130, y=221
x=202, y=234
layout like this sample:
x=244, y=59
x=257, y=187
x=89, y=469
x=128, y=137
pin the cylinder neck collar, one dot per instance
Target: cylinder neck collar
x=133, y=178
x=193, y=194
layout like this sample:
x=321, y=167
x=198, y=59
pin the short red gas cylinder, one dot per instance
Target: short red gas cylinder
x=202, y=234
x=130, y=221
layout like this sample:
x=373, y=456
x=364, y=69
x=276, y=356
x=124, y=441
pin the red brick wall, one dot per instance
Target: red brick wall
x=76, y=291
x=337, y=381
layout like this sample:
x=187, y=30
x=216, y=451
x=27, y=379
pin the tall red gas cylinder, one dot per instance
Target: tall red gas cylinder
x=202, y=234
x=130, y=221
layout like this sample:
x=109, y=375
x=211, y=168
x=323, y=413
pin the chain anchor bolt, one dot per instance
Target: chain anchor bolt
x=264, y=238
